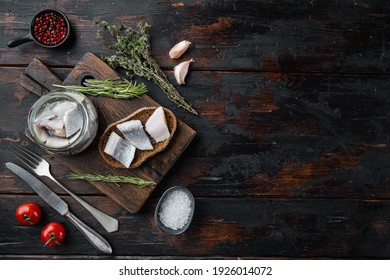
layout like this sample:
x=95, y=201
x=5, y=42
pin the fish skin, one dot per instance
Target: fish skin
x=134, y=132
x=50, y=125
x=120, y=149
x=73, y=121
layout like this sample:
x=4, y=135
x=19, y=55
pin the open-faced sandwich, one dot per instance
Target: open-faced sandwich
x=128, y=142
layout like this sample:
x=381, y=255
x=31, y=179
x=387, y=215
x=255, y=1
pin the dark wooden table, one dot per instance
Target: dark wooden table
x=291, y=157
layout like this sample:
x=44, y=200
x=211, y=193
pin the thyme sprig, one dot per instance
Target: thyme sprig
x=110, y=179
x=112, y=88
x=133, y=53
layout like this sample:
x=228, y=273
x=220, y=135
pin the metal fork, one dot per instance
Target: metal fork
x=42, y=168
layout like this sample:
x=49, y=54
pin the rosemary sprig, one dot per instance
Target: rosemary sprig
x=112, y=88
x=133, y=53
x=111, y=179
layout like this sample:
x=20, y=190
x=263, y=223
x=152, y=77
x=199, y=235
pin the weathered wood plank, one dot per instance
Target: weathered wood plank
x=90, y=160
x=221, y=227
x=284, y=36
x=31, y=85
x=42, y=74
x=292, y=157
x=260, y=134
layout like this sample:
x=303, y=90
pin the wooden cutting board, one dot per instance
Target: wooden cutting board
x=39, y=79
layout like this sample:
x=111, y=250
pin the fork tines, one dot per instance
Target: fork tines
x=24, y=155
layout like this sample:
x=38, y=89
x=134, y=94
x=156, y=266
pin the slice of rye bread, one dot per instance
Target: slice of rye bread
x=140, y=156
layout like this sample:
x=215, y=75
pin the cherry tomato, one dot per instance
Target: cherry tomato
x=53, y=234
x=28, y=214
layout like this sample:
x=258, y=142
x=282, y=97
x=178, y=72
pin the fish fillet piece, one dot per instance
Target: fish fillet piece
x=56, y=142
x=134, y=132
x=73, y=121
x=46, y=115
x=120, y=149
x=156, y=125
x=57, y=133
x=59, y=124
x=61, y=108
x=52, y=124
x=41, y=133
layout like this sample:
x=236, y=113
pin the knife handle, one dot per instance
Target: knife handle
x=95, y=238
x=108, y=222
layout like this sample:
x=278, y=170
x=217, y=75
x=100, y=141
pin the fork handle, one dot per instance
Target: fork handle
x=95, y=238
x=108, y=222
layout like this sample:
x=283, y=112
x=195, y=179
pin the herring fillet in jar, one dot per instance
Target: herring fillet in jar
x=63, y=122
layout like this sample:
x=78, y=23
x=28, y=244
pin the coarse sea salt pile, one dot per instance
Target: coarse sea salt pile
x=175, y=210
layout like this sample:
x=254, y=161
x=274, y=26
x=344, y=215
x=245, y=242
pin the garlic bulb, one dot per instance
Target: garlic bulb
x=179, y=49
x=180, y=71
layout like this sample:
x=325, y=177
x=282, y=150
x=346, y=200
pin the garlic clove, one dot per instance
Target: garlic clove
x=180, y=71
x=179, y=49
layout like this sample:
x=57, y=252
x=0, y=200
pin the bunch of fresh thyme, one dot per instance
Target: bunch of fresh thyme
x=111, y=179
x=112, y=88
x=133, y=53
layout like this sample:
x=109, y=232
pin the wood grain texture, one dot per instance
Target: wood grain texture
x=283, y=36
x=269, y=228
x=266, y=134
x=291, y=158
x=31, y=85
x=90, y=161
x=42, y=74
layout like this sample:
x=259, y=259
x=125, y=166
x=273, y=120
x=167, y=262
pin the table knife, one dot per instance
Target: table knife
x=60, y=206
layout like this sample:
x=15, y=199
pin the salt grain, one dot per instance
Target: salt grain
x=175, y=210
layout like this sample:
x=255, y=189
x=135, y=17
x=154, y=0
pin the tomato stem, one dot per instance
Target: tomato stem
x=52, y=238
x=27, y=219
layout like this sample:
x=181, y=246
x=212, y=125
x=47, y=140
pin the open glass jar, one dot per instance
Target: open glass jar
x=63, y=122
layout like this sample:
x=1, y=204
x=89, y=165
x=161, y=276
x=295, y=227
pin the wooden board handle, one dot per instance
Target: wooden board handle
x=42, y=74
x=38, y=79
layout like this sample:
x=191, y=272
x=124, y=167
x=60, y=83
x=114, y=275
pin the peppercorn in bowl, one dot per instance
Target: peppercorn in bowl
x=49, y=28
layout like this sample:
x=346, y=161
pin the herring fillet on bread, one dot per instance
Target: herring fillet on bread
x=142, y=114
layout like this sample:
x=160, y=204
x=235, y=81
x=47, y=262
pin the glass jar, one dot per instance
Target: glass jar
x=63, y=122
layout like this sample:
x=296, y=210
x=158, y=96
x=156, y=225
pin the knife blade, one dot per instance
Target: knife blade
x=44, y=192
x=60, y=206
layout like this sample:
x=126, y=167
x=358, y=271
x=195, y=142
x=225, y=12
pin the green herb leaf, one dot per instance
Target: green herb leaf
x=133, y=53
x=112, y=88
x=111, y=179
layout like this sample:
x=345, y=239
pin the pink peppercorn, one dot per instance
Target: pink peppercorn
x=50, y=29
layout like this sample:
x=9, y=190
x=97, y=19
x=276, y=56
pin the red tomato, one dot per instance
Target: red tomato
x=28, y=214
x=53, y=234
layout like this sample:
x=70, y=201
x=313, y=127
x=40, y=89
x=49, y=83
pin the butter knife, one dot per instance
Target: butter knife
x=60, y=206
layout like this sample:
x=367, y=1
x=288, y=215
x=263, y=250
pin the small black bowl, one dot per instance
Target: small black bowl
x=160, y=225
x=30, y=36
